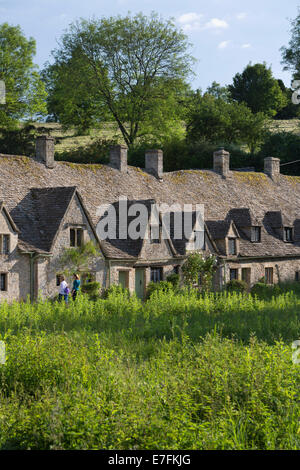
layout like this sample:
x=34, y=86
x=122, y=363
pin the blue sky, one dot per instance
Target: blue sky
x=225, y=34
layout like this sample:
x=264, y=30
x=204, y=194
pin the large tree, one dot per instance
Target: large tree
x=131, y=70
x=257, y=87
x=25, y=91
x=214, y=120
x=291, y=54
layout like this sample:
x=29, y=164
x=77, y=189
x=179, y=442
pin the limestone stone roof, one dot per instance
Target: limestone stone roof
x=100, y=184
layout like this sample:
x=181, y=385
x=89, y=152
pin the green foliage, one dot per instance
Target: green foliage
x=25, y=91
x=180, y=154
x=290, y=54
x=131, y=70
x=95, y=152
x=195, y=266
x=77, y=259
x=114, y=291
x=155, y=287
x=18, y=141
x=258, y=89
x=236, y=285
x=92, y=289
x=283, y=145
x=173, y=279
x=180, y=371
x=214, y=120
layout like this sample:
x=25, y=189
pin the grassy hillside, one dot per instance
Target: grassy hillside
x=69, y=140
x=178, y=372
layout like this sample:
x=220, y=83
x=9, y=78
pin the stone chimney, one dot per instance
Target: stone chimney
x=221, y=162
x=272, y=167
x=154, y=162
x=118, y=157
x=44, y=150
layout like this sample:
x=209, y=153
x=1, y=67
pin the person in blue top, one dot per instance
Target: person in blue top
x=76, y=286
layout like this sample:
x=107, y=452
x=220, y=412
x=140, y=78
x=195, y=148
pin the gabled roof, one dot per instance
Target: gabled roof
x=40, y=214
x=8, y=216
x=243, y=217
x=101, y=184
x=129, y=247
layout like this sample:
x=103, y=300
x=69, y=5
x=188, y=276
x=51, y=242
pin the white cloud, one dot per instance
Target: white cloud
x=223, y=44
x=193, y=22
x=245, y=46
x=190, y=21
x=241, y=16
x=216, y=23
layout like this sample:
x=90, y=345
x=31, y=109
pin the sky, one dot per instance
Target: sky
x=225, y=34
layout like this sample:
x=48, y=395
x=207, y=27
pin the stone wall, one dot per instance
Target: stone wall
x=49, y=268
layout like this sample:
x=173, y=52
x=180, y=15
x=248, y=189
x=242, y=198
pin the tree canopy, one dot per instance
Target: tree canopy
x=257, y=87
x=132, y=70
x=217, y=121
x=291, y=54
x=25, y=91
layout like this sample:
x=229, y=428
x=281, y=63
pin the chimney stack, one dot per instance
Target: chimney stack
x=272, y=167
x=154, y=162
x=221, y=162
x=118, y=157
x=44, y=150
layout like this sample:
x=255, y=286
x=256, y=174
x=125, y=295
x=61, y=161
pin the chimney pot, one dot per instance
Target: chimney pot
x=272, y=167
x=221, y=162
x=44, y=150
x=118, y=157
x=154, y=162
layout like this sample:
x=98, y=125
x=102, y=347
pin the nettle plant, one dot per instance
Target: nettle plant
x=198, y=270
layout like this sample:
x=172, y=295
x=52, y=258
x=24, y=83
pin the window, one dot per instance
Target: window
x=4, y=244
x=231, y=246
x=233, y=274
x=76, y=236
x=246, y=275
x=256, y=234
x=3, y=282
x=269, y=275
x=297, y=276
x=156, y=274
x=288, y=234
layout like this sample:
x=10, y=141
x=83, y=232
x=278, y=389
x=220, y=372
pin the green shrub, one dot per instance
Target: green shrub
x=162, y=286
x=92, y=289
x=236, y=285
x=173, y=279
x=114, y=290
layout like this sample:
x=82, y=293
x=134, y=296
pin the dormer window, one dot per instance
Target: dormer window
x=288, y=234
x=4, y=244
x=256, y=234
x=76, y=236
x=231, y=246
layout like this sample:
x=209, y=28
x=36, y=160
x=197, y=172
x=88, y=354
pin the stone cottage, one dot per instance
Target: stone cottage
x=251, y=220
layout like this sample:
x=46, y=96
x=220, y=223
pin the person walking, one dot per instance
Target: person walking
x=76, y=286
x=63, y=290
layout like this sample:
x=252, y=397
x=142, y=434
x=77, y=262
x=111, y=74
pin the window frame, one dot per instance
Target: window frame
x=269, y=270
x=4, y=236
x=76, y=230
x=256, y=229
x=5, y=274
x=288, y=239
x=156, y=269
x=231, y=270
x=231, y=239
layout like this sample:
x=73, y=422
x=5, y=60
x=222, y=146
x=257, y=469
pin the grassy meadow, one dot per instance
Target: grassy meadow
x=181, y=371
